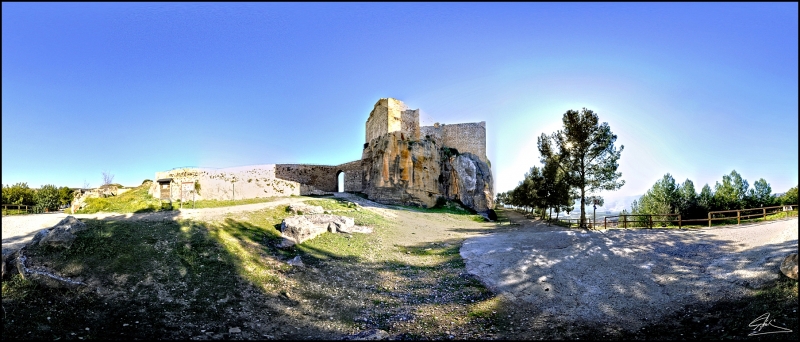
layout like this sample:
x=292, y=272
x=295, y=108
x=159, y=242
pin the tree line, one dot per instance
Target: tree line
x=47, y=198
x=577, y=162
x=734, y=192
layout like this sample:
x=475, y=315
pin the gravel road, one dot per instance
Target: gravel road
x=625, y=277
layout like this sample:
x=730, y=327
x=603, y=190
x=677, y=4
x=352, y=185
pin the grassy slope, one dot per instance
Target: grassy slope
x=168, y=280
x=139, y=200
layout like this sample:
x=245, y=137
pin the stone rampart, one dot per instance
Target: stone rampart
x=353, y=176
x=464, y=137
x=226, y=184
x=310, y=177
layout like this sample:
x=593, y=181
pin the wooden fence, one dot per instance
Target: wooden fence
x=20, y=207
x=649, y=221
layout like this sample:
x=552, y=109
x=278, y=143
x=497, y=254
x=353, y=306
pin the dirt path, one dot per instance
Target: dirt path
x=626, y=277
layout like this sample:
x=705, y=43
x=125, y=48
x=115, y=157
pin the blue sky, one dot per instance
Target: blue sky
x=691, y=89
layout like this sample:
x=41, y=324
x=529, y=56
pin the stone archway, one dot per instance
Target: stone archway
x=340, y=181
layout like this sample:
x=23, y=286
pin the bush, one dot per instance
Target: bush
x=47, y=198
x=18, y=193
x=440, y=202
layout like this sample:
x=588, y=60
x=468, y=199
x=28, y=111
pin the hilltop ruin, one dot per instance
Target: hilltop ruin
x=401, y=163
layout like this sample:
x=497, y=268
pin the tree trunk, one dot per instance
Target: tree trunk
x=583, y=209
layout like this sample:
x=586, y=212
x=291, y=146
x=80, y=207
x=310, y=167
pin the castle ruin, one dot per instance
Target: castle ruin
x=401, y=163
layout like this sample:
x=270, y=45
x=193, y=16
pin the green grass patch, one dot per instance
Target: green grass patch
x=134, y=201
x=222, y=203
x=332, y=204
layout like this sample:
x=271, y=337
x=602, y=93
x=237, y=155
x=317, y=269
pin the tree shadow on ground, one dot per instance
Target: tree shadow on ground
x=615, y=281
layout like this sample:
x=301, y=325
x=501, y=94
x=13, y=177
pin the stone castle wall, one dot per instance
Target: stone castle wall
x=391, y=115
x=464, y=137
x=401, y=163
x=226, y=184
x=353, y=176
x=319, y=177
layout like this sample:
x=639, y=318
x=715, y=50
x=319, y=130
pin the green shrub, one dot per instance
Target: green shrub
x=47, y=198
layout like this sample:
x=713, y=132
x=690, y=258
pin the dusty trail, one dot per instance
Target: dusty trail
x=627, y=277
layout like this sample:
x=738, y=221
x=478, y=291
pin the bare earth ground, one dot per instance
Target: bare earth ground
x=410, y=281
x=627, y=277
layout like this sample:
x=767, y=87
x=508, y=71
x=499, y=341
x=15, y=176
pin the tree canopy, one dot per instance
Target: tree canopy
x=584, y=151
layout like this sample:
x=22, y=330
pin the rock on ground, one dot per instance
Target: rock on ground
x=297, y=229
x=368, y=335
x=789, y=266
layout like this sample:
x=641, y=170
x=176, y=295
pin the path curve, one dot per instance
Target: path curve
x=628, y=277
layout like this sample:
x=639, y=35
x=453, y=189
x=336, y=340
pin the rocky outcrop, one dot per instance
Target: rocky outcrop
x=399, y=170
x=468, y=180
x=60, y=235
x=297, y=229
x=789, y=266
x=418, y=172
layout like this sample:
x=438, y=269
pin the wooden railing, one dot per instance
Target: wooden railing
x=27, y=208
x=647, y=220
x=762, y=212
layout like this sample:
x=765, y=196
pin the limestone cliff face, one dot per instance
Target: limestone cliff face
x=399, y=170
x=467, y=179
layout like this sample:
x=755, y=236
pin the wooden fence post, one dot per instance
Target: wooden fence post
x=625, y=221
x=764, y=212
x=679, y=221
x=605, y=222
x=738, y=217
x=709, y=220
x=650, y=218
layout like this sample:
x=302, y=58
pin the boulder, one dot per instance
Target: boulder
x=62, y=234
x=9, y=255
x=297, y=229
x=296, y=261
x=368, y=335
x=789, y=266
x=468, y=179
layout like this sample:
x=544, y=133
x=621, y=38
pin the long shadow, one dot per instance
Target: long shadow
x=624, y=279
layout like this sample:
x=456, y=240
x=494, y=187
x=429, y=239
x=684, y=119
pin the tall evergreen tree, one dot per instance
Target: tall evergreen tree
x=732, y=193
x=584, y=150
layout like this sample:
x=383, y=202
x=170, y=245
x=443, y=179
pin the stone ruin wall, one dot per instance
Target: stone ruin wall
x=391, y=115
x=464, y=137
x=270, y=180
x=310, y=177
x=353, y=176
x=223, y=184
